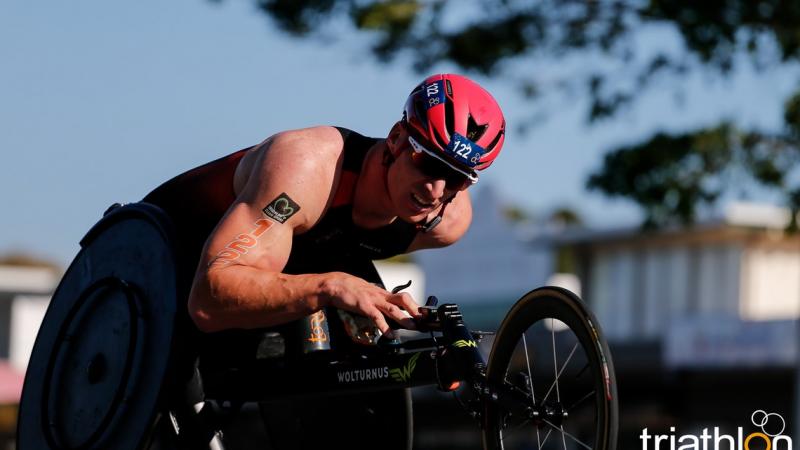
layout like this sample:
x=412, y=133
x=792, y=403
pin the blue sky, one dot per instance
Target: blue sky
x=102, y=101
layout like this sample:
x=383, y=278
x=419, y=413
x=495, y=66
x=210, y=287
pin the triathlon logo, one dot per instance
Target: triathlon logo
x=770, y=437
x=404, y=374
x=281, y=208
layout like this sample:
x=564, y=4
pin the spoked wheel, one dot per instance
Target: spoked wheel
x=552, y=371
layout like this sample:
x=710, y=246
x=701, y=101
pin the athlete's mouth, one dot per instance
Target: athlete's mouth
x=421, y=204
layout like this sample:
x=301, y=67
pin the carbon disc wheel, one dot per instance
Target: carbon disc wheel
x=550, y=350
x=103, y=351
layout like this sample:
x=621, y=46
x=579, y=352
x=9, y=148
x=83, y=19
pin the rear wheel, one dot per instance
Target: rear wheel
x=550, y=356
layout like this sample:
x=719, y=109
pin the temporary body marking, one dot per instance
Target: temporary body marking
x=241, y=244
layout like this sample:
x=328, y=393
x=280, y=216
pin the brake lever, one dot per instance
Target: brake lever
x=428, y=321
x=397, y=289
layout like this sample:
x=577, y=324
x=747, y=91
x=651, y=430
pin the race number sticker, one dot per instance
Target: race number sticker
x=281, y=208
x=464, y=150
x=434, y=94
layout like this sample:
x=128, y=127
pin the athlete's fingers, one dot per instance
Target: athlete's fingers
x=404, y=300
x=380, y=321
x=397, y=314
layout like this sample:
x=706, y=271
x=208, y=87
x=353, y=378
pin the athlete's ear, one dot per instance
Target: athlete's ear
x=396, y=138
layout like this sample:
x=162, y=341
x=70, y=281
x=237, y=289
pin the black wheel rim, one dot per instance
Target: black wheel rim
x=566, y=371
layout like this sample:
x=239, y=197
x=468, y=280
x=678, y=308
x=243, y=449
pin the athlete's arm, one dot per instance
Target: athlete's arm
x=455, y=222
x=239, y=284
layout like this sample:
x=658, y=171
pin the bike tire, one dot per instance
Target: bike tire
x=592, y=422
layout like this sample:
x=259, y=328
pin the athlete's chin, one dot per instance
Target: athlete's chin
x=415, y=213
x=412, y=215
x=415, y=218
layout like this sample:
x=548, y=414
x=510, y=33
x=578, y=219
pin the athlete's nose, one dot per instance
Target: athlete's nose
x=435, y=189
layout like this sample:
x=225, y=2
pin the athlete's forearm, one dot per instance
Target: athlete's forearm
x=240, y=296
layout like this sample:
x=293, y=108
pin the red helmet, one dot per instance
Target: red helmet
x=453, y=115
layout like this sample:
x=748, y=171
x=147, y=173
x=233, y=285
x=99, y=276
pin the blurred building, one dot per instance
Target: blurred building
x=24, y=296
x=702, y=320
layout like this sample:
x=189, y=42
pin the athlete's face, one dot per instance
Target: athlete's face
x=418, y=181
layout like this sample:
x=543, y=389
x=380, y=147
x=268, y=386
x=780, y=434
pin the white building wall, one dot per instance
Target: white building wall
x=27, y=313
x=612, y=292
x=665, y=293
x=656, y=293
x=719, y=279
x=676, y=293
x=707, y=275
x=731, y=278
x=771, y=284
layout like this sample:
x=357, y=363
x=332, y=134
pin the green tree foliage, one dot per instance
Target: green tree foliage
x=667, y=174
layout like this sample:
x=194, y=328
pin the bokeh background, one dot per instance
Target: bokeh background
x=650, y=162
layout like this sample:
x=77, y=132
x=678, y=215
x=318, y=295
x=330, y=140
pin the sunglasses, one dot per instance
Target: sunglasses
x=434, y=166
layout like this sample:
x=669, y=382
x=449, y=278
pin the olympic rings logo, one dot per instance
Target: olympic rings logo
x=763, y=420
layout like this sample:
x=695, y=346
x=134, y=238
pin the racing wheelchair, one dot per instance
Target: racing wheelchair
x=110, y=367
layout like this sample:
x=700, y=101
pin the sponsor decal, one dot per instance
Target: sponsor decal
x=281, y=209
x=603, y=361
x=404, y=374
x=434, y=94
x=241, y=244
x=770, y=437
x=461, y=343
x=353, y=376
x=464, y=150
x=370, y=247
x=317, y=323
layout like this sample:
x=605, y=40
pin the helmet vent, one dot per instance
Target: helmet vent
x=419, y=109
x=496, y=138
x=449, y=118
x=475, y=131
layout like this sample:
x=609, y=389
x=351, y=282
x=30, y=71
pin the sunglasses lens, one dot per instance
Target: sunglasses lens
x=433, y=168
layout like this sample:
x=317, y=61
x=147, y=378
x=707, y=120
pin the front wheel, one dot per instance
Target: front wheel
x=551, y=363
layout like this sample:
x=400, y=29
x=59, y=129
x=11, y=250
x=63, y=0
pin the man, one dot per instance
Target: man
x=266, y=234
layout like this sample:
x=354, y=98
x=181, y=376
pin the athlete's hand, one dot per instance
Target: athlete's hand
x=358, y=296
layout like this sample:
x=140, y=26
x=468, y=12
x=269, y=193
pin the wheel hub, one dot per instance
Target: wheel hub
x=554, y=414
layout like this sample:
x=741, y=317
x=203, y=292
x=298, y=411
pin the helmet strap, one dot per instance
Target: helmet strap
x=425, y=227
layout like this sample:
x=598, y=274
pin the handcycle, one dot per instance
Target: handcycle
x=548, y=382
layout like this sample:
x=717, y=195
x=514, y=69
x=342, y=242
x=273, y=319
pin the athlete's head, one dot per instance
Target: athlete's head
x=451, y=128
x=456, y=119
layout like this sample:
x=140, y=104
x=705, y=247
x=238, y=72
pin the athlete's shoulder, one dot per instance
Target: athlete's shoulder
x=318, y=139
x=302, y=164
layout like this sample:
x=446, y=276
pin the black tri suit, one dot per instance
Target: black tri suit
x=195, y=201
